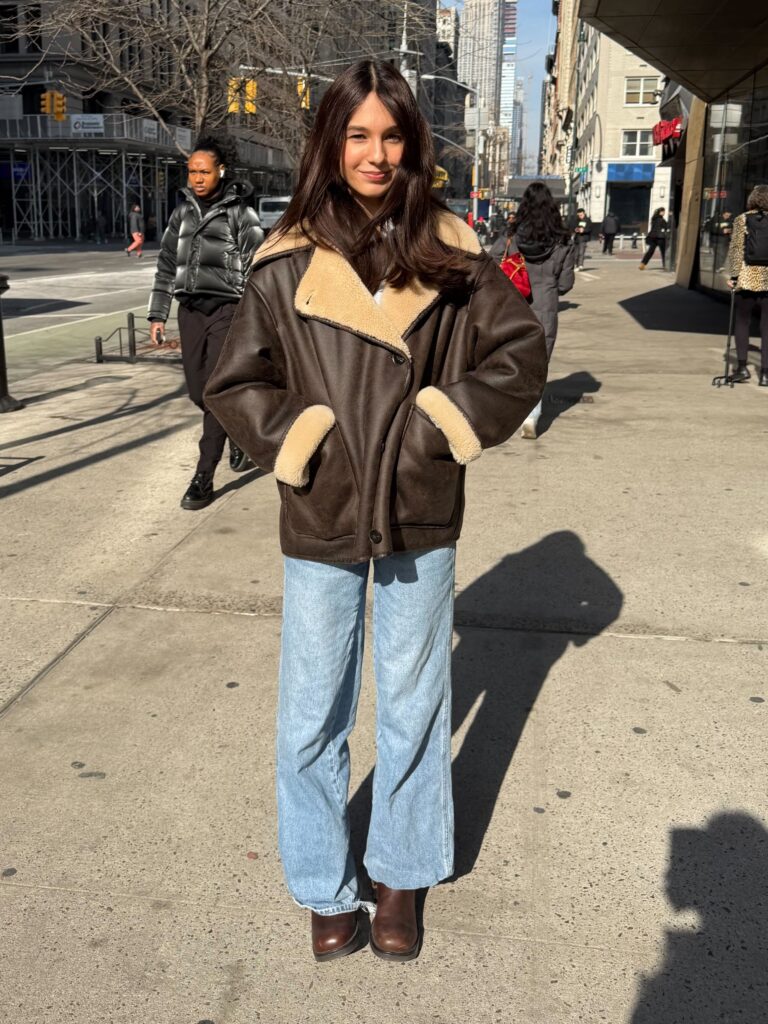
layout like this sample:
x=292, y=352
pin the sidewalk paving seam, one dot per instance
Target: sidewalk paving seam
x=266, y=911
x=464, y=623
x=57, y=659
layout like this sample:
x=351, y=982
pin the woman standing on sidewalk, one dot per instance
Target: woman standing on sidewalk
x=205, y=256
x=750, y=280
x=656, y=239
x=549, y=259
x=377, y=351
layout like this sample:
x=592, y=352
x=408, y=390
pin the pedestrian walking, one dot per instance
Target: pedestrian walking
x=377, y=351
x=611, y=227
x=748, y=266
x=205, y=257
x=656, y=239
x=136, y=230
x=582, y=232
x=549, y=259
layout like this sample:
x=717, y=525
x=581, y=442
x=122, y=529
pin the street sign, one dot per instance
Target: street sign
x=86, y=124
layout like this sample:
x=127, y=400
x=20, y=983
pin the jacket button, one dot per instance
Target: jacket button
x=398, y=359
x=375, y=536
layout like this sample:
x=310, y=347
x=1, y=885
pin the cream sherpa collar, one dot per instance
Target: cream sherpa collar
x=331, y=290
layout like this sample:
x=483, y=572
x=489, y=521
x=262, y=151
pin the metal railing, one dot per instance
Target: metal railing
x=122, y=128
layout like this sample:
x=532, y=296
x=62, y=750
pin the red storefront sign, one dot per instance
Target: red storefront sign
x=666, y=130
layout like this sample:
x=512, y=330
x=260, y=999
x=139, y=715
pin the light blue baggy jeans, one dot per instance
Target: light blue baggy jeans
x=410, y=838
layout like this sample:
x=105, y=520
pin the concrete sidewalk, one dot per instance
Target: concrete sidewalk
x=611, y=658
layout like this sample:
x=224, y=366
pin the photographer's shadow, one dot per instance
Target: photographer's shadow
x=717, y=973
x=514, y=623
x=563, y=394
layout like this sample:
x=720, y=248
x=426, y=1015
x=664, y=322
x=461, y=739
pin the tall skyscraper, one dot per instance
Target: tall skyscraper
x=480, y=46
x=508, y=92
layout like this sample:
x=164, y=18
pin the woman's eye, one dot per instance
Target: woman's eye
x=394, y=138
x=357, y=138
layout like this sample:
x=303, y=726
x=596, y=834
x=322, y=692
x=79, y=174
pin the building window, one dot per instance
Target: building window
x=637, y=143
x=639, y=92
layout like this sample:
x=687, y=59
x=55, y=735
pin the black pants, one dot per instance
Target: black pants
x=202, y=338
x=608, y=244
x=745, y=303
x=661, y=243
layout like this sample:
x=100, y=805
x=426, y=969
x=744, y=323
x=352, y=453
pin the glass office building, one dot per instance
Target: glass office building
x=735, y=160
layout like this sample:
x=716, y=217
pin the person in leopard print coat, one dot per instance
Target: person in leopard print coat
x=751, y=286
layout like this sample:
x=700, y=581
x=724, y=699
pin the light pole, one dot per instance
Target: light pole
x=474, y=155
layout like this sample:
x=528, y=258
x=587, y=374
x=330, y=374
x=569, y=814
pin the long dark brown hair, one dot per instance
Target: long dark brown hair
x=401, y=242
x=538, y=216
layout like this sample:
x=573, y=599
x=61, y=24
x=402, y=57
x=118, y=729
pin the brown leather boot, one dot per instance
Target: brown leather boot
x=335, y=935
x=395, y=932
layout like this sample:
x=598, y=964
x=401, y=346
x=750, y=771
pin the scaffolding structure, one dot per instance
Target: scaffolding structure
x=64, y=178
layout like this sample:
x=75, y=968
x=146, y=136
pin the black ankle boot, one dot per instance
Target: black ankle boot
x=199, y=494
x=740, y=374
x=763, y=382
x=238, y=460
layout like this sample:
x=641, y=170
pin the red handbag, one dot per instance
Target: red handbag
x=513, y=265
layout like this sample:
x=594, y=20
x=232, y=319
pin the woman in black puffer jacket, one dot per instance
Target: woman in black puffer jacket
x=204, y=260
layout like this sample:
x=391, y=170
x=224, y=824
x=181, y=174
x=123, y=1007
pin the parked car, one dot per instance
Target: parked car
x=270, y=209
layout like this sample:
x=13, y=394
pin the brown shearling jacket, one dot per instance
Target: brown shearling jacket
x=369, y=411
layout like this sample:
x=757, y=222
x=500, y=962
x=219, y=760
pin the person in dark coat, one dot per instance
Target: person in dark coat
x=549, y=259
x=582, y=232
x=656, y=239
x=205, y=258
x=377, y=350
x=611, y=228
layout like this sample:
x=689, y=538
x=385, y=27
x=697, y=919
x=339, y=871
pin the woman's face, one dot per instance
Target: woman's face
x=373, y=149
x=204, y=174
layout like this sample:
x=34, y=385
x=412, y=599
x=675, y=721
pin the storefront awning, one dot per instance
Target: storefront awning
x=709, y=46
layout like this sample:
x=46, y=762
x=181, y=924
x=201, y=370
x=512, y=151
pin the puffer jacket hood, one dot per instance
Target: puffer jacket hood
x=206, y=252
x=366, y=410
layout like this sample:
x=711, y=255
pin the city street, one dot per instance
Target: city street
x=610, y=692
x=60, y=300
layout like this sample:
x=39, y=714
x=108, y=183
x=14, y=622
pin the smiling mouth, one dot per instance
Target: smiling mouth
x=375, y=175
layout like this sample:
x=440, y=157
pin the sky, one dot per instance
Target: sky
x=535, y=34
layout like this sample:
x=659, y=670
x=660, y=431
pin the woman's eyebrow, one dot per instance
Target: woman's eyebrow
x=362, y=128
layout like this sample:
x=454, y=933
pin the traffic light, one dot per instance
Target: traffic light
x=59, y=106
x=250, y=92
x=241, y=95
x=46, y=103
x=302, y=88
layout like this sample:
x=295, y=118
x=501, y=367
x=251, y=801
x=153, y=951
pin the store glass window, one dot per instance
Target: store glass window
x=637, y=142
x=735, y=160
x=640, y=92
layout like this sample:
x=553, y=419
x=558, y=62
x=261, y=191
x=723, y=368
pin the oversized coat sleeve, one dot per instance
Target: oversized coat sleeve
x=247, y=394
x=165, y=275
x=509, y=369
x=736, y=248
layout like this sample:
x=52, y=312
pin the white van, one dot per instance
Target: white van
x=270, y=209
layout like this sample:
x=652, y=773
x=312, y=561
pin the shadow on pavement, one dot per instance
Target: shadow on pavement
x=674, y=309
x=514, y=624
x=122, y=411
x=18, y=309
x=718, y=972
x=561, y=395
x=91, y=382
